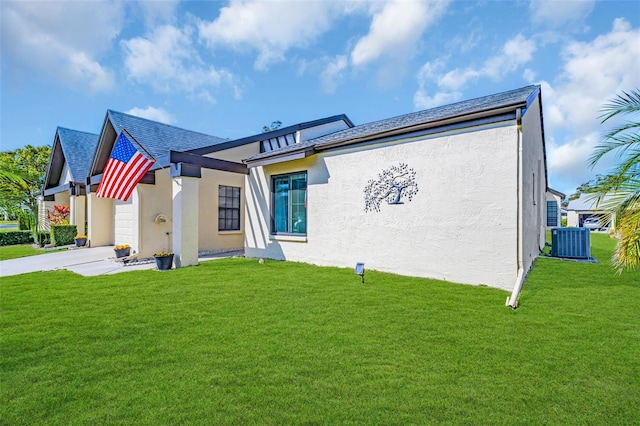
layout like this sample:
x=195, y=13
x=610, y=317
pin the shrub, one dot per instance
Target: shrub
x=59, y=215
x=42, y=238
x=26, y=221
x=15, y=237
x=63, y=235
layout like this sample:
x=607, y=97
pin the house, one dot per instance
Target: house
x=455, y=193
x=554, y=207
x=192, y=200
x=65, y=182
x=584, y=207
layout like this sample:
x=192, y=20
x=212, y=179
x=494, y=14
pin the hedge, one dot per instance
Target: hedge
x=15, y=237
x=63, y=235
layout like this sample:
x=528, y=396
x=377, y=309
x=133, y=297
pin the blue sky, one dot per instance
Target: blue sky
x=229, y=68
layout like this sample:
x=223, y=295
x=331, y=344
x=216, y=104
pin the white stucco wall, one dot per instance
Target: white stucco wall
x=65, y=176
x=155, y=200
x=61, y=198
x=99, y=220
x=573, y=218
x=534, y=185
x=460, y=227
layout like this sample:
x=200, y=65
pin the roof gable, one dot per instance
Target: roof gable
x=157, y=139
x=73, y=148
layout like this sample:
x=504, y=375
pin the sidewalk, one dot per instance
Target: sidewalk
x=85, y=261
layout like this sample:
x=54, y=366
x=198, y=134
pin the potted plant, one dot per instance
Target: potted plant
x=81, y=240
x=122, y=250
x=164, y=260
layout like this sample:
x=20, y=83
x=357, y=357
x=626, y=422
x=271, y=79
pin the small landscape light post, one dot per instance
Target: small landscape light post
x=360, y=270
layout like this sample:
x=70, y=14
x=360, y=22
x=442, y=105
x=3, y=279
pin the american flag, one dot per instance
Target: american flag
x=125, y=168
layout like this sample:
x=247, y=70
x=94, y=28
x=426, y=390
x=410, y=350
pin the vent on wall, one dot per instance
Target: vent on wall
x=571, y=242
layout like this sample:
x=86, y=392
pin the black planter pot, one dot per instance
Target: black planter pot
x=80, y=242
x=164, y=263
x=123, y=252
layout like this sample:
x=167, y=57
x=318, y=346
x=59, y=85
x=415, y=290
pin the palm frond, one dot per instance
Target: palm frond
x=624, y=128
x=627, y=254
x=620, y=144
x=625, y=103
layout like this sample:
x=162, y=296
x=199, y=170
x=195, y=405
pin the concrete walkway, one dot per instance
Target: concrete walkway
x=85, y=261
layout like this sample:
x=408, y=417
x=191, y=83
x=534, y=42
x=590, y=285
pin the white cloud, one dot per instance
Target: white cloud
x=593, y=73
x=514, y=53
x=554, y=13
x=167, y=61
x=427, y=73
x=529, y=75
x=42, y=37
x=333, y=72
x=387, y=38
x=160, y=11
x=157, y=114
x=271, y=28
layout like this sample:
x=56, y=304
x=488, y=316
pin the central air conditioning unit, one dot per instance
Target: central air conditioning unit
x=571, y=242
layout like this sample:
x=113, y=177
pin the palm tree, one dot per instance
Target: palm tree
x=623, y=195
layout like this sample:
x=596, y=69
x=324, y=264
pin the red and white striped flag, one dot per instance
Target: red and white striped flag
x=125, y=168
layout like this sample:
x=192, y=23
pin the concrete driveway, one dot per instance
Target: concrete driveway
x=85, y=261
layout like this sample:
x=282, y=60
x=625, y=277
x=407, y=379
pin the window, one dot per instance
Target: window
x=228, y=208
x=552, y=213
x=289, y=202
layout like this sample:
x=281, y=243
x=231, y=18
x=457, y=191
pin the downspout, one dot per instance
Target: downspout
x=512, y=302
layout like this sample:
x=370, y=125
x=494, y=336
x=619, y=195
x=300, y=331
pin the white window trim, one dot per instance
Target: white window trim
x=294, y=238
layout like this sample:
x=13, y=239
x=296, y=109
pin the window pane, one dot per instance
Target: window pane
x=289, y=204
x=281, y=203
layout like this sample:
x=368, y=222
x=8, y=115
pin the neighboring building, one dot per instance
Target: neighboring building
x=193, y=198
x=454, y=193
x=584, y=207
x=554, y=208
x=65, y=182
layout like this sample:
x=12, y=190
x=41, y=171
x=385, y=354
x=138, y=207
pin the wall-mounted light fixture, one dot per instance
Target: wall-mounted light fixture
x=359, y=270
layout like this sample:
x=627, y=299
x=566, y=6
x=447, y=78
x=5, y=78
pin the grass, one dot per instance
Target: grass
x=11, y=226
x=23, y=250
x=237, y=342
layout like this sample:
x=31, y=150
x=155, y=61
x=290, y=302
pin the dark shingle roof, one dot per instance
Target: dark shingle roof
x=520, y=96
x=159, y=138
x=78, y=149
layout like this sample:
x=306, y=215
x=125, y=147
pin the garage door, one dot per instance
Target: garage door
x=123, y=222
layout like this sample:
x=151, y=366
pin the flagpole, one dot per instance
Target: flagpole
x=140, y=145
x=147, y=152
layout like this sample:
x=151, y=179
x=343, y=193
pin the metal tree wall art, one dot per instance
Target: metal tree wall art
x=392, y=185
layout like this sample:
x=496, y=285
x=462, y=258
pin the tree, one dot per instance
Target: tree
x=274, y=126
x=622, y=188
x=22, y=178
x=393, y=185
x=595, y=186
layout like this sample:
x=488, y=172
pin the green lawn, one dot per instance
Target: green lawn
x=23, y=250
x=237, y=342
